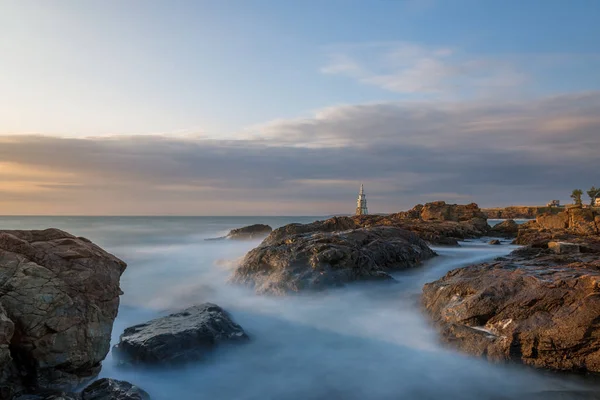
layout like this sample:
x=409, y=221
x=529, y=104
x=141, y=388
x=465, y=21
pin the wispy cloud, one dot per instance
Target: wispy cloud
x=489, y=152
x=415, y=69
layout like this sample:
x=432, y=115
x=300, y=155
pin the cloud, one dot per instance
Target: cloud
x=414, y=69
x=493, y=153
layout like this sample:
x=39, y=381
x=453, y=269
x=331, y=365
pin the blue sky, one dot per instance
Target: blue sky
x=290, y=79
x=219, y=66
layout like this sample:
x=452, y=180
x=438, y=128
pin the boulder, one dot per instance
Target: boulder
x=494, y=242
x=61, y=293
x=564, y=248
x=250, y=232
x=102, y=389
x=318, y=260
x=112, y=389
x=178, y=338
x=553, y=221
x=508, y=228
x=534, y=307
x=440, y=211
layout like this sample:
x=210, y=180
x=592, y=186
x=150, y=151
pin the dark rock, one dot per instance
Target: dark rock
x=314, y=261
x=534, y=307
x=494, y=242
x=49, y=395
x=112, y=389
x=437, y=223
x=508, y=228
x=178, y=338
x=250, y=232
x=60, y=295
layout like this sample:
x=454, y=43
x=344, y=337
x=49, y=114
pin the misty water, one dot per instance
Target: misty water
x=360, y=342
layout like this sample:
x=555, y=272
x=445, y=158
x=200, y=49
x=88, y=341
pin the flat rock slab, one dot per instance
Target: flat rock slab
x=318, y=260
x=178, y=338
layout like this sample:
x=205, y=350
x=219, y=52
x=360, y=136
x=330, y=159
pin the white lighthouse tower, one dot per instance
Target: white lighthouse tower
x=361, y=203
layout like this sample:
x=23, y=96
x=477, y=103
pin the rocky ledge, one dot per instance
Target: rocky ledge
x=438, y=223
x=59, y=296
x=540, y=306
x=297, y=262
x=574, y=222
x=178, y=338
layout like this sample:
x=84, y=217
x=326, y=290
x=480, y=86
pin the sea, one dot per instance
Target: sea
x=358, y=342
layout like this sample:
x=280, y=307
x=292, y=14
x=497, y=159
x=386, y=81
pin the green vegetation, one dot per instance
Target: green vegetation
x=576, y=196
x=594, y=193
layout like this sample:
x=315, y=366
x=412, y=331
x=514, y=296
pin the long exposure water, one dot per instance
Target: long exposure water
x=359, y=342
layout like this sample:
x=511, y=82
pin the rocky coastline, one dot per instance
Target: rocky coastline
x=538, y=306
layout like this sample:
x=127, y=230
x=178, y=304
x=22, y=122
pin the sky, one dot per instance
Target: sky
x=269, y=107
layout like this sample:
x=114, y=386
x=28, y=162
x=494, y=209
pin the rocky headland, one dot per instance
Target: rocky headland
x=59, y=296
x=339, y=250
x=256, y=231
x=539, y=306
x=317, y=260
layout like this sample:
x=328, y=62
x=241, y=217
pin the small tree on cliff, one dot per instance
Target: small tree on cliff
x=576, y=196
x=593, y=193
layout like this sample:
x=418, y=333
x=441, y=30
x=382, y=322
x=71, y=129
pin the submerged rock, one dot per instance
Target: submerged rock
x=250, y=232
x=494, y=242
x=178, y=338
x=534, y=307
x=60, y=296
x=112, y=389
x=313, y=261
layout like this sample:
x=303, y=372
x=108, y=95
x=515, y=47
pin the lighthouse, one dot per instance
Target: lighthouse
x=361, y=203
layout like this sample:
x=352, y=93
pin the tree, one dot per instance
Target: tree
x=576, y=196
x=593, y=193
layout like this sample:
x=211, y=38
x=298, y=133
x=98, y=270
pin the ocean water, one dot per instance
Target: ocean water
x=360, y=342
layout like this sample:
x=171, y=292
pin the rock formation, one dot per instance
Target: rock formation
x=255, y=231
x=438, y=223
x=102, y=389
x=571, y=223
x=109, y=389
x=508, y=229
x=59, y=296
x=319, y=259
x=539, y=307
x=519, y=212
x=178, y=338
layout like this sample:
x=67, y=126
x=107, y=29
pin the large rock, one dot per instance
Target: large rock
x=102, y=389
x=250, y=232
x=534, y=307
x=437, y=223
x=572, y=223
x=62, y=295
x=317, y=260
x=178, y=338
x=508, y=228
x=112, y=389
x=519, y=212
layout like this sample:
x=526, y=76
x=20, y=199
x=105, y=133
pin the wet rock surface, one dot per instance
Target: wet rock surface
x=102, y=389
x=178, y=338
x=59, y=295
x=534, y=307
x=112, y=389
x=318, y=260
